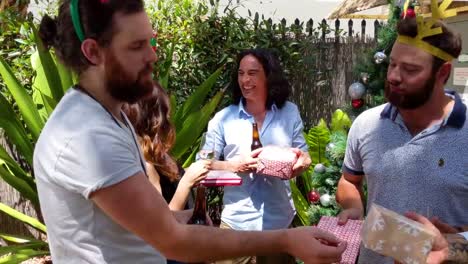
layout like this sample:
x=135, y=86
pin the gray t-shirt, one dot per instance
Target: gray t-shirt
x=81, y=149
x=426, y=173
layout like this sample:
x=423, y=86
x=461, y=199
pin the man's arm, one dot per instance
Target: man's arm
x=138, y=207
x=350, y=196
x=446, y=228
x=447, y=248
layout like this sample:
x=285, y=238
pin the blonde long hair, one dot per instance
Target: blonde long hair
x=156, y=134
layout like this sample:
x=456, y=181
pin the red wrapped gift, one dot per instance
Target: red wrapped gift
x=350, y=232
x=217, y=178
x=276, y=161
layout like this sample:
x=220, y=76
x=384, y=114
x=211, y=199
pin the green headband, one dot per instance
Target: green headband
x=75, y=15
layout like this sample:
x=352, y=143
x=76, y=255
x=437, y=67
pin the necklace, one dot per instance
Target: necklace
x=81, y=89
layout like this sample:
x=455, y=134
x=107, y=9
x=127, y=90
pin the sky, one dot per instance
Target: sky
x=276, y=9
x=302, y=9
x=289, y=9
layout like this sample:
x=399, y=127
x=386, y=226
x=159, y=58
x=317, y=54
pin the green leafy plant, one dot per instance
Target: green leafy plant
x=192, y=117
x=22, y=248
x=195, y=37
x=22, y=123
x=326, y=148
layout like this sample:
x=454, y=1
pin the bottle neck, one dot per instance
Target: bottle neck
x=200, y=202
x=255, y=134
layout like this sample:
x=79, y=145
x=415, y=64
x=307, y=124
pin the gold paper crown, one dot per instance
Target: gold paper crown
x=425, y=29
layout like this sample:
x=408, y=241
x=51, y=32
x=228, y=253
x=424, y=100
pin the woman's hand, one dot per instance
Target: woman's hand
x=302, y=163
x=195, y=173
x=245, y=163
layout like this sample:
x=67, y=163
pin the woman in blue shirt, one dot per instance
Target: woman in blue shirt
x=260, y=92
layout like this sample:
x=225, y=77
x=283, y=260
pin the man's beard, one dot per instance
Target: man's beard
x=121, y=86
x=411, y=100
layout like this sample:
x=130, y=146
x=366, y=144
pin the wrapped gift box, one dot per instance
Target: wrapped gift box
x=396, y=236
x=217, y=178
x=350, y=232
x=276, y=161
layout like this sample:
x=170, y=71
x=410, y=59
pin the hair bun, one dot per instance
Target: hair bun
x=48, y=31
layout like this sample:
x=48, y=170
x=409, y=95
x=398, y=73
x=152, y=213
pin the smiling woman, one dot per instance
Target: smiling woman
x=260, y=92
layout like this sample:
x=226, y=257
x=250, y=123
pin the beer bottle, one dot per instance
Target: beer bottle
x=199, y=216
x=255, y=137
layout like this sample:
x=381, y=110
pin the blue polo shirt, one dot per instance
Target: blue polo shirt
x=261, y=202
x=426, y=173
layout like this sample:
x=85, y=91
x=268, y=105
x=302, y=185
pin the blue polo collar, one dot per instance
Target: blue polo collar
x=456, y=119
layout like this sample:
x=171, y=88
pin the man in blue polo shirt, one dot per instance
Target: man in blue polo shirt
x=413, y=150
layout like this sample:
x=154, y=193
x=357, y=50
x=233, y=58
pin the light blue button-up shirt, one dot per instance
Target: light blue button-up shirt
x=261, y=202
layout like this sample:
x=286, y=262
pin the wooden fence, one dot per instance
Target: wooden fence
x=321, y=87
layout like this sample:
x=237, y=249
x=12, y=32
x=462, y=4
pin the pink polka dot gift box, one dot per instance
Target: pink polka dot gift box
x=277, y=162
x=350, y=232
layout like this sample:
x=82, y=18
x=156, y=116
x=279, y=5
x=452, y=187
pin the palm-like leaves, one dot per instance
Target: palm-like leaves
x=192, y=117
x=317, y=139
x=22, y=129
x=21, y=253
x=28, y=110
x=340, y=122
x=23, y=248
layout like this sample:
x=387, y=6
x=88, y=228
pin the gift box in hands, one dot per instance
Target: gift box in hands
x=396, y=236
x=348, y=232
x=217, y=178
x=276, y=161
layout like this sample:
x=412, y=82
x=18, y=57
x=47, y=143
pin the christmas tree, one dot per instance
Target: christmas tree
x=314, y=192
x=325, y=179
x=371, y=71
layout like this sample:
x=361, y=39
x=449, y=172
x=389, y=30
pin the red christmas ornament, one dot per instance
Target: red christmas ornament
x=408, y=14
x=357, y=103
x=314, y=196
